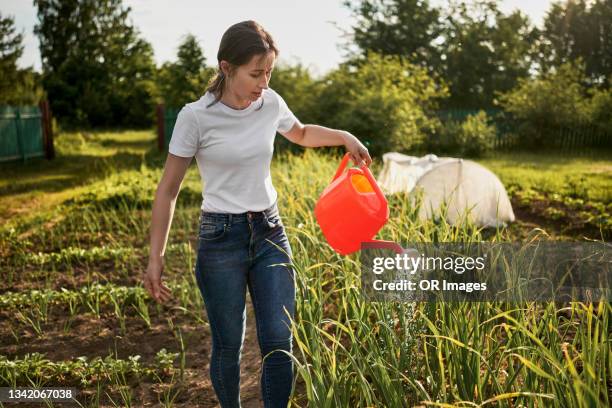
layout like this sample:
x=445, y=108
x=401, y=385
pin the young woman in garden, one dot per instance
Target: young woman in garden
x=242, y=242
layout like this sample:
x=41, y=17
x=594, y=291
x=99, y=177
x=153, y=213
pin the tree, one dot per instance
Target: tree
x=386, y=101
x=17, y=86
x=298, y=88
x=475, y=47
x=96, y=69
x=485, y=52
x=407, y=28
x=545, y=105
x=574, y=30
x=184, y=80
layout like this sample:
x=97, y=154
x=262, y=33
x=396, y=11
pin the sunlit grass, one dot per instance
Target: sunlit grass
x=92, y=218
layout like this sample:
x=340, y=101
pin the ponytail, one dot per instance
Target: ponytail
x=215, y=86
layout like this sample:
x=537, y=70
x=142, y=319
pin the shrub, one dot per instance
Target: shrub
x=600, y=109
x=300, y=91
x=548, y=104
x=476, y=135
x=473, y=137
x=385, y=101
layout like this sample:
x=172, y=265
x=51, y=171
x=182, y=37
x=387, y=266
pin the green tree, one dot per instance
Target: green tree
x=407, y=28
x=185, y=80
x=579, y=29
x=485, y=51
x=600, y=109
x=298, y=88
x=97, y=71
x=17, y=86
x=545, y=105
x=476, y=48
x=386, y=101
x=301, y=93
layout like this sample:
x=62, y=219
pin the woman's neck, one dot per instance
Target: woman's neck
x=233, y=101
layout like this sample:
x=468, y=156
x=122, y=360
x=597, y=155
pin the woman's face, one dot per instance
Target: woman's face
x=248, y=81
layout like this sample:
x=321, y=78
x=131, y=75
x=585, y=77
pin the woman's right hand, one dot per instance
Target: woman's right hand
x=162, y=211
x=153, y=283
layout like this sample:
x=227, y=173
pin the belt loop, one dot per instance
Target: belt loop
x=229, y=219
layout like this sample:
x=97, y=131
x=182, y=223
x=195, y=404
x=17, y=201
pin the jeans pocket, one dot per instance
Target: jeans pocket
x=212, y=231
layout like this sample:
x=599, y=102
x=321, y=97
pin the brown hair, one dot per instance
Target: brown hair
x=238, y=45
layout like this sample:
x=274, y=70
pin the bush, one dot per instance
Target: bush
x=473, y=137
x=546, y=105
x=385, y=101
x=476, y=135
x=300, y=91
x=600, y=110
x=298, y=88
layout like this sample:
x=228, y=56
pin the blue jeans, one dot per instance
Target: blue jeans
x=236, y=251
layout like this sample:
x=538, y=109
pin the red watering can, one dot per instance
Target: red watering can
x=352, y=209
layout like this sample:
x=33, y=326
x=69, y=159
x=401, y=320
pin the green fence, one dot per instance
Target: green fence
x=170, y=115
x=508, y=132
x=25, y=132
x=166, y=118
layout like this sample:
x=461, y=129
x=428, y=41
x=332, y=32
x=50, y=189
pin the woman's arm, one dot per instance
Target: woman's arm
x=316, y=136
x=161, y=220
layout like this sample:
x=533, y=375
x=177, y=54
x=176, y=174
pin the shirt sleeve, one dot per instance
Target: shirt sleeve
x=286, y=117
x=185, y=135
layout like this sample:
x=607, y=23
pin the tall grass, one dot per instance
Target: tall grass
x=348, y=351
x=351, y=352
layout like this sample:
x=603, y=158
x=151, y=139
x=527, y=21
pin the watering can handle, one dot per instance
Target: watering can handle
x=342, y=166
x=366, y=172
x=370, y=177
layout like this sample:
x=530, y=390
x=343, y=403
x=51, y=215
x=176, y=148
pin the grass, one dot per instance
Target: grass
x=74, y=238
x=588, y=178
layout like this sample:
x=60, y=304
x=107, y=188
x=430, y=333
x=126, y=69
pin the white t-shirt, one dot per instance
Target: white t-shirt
x=233, y=149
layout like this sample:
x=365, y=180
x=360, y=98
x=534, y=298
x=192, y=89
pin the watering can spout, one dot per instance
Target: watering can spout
x=382, y=244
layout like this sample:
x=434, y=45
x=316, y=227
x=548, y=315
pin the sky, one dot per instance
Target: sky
x=309, y=32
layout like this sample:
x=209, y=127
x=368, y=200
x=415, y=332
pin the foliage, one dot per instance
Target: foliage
x=475, y=47
x=473, y=137
x=397, y=27
x=349, y=352
x=97, y=71
x=298, y=88
x=477, y=136
x=600, y=109
x=185, y=80
x=296, y=85
x=82, y=371
x=485, y=51
x=579, y=29
x=553, y=101
x=17, y=86
x=386, y=101
x=131, y=189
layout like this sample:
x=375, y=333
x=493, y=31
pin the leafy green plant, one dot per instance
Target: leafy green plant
x=385, y=101
x=474, y=137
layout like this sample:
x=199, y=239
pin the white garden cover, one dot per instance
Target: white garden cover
x=469, y=189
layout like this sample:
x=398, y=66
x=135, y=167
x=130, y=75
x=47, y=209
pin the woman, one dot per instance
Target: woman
x=242, y=242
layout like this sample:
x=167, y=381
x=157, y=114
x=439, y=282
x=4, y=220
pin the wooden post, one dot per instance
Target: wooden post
x=160, y=128
x=47, y=129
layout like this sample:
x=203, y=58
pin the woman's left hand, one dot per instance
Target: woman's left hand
x=358, y=152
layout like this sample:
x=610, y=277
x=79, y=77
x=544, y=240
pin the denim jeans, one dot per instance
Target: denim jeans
x=236, y=251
